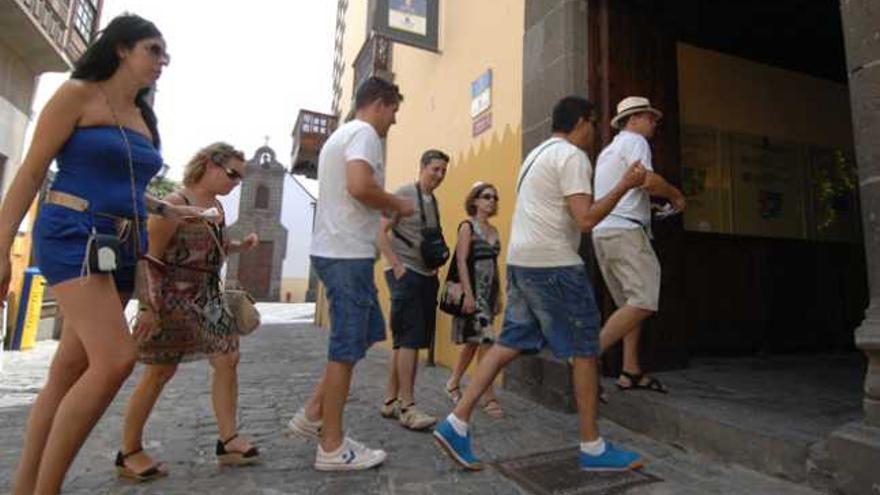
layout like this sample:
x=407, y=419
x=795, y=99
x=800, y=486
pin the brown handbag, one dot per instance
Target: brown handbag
x=243, y=308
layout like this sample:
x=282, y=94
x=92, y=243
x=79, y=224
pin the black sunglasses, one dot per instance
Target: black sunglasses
x=233, y=174
x=158, y=51
x=489, y=196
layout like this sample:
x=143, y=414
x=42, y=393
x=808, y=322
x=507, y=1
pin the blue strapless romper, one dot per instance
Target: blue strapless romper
x=93, y=165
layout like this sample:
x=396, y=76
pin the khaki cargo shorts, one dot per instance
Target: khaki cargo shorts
x=629, y=266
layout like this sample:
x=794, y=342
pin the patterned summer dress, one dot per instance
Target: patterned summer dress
x=195, y=322
x=483, y=271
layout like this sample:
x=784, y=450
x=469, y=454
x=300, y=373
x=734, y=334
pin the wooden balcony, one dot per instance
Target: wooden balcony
x=39, y=31
x=309, y=134
x=374, y=59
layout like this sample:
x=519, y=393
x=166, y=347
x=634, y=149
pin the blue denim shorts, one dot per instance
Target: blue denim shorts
x=356, y=321
x=551, y=307
x=61, y=235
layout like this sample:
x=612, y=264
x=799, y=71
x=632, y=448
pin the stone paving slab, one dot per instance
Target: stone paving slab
x=280, y=364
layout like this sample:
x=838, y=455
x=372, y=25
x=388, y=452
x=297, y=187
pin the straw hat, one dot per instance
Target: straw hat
x=632, y=105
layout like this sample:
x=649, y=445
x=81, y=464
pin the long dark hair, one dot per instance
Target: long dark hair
x=100, y=60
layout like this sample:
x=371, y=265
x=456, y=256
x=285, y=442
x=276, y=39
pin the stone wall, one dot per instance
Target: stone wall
x=554, y=62
x=856, y=447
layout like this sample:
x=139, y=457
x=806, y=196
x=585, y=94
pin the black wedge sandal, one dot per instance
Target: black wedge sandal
x=235, y=457
x=635, y=383
x=151, y=473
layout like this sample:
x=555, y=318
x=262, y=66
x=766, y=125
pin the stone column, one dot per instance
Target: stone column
x=856, y=447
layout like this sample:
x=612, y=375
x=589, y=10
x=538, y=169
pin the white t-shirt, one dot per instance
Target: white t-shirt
x=345, y=227
x=544, y=234
x=626, y=148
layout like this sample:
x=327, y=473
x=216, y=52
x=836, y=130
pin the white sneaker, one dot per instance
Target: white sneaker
x=302, y=426
x=351, y=456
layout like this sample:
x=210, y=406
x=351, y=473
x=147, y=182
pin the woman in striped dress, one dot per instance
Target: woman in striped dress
x=476, y=254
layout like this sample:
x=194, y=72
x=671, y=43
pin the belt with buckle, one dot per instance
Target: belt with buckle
x=67, y=200
x=124, y=225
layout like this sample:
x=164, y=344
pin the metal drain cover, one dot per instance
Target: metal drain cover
x=558, y=473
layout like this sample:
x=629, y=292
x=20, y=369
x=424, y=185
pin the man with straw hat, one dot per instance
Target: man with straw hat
x=622, y=241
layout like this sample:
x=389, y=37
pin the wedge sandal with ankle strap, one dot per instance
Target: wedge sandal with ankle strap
x=157, y=470
x=234, y=457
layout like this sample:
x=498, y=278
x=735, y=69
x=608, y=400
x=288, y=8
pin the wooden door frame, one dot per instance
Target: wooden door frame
x=609, y=78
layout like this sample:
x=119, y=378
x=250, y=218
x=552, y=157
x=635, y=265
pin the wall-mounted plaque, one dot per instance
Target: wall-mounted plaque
x=411, y=22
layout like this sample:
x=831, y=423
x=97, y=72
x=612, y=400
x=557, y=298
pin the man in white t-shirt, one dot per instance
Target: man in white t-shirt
x=351, y=180
x=549, y=297
x=622, y=240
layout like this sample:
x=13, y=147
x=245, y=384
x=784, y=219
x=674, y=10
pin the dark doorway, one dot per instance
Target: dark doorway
x=742, y=285
x=255, y=270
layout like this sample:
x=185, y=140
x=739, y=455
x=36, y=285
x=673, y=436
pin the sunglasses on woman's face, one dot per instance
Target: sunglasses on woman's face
x=158, y=52
x=487, y=197
x=231, y=173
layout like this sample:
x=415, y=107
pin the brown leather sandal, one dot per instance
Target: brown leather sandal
x=153, y=472
x=235, y=457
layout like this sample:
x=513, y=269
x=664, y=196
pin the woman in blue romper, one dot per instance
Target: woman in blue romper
x=88, y=126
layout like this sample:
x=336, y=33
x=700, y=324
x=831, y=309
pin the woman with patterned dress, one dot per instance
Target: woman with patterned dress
x=182, y=316
x=476, y=255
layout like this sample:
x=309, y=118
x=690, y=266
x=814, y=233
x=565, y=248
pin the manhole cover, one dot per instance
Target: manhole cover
x=557, y=473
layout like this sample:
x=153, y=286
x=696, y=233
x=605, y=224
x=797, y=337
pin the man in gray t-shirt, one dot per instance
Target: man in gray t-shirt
x=406, y=234
x=413, y=286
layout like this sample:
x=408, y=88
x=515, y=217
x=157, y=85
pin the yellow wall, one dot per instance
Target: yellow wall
x=734, y=94
x=474, y=36
x=296, y=287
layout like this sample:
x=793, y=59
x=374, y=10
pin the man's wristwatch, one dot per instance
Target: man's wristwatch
x=160, y=208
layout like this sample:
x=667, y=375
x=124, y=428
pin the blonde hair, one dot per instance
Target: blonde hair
x=218, y=152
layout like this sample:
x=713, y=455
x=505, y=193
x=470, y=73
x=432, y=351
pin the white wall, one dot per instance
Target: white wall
x=13, y=124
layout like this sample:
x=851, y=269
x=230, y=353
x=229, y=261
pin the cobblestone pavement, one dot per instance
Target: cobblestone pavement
x=280, y=364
